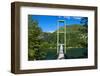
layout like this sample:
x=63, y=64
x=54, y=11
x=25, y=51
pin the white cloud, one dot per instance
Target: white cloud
x=77, y=17
x=51, y=31
x=70, y=17
x=67, y=17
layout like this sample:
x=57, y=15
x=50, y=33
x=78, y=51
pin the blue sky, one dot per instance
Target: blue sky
x=49, y=23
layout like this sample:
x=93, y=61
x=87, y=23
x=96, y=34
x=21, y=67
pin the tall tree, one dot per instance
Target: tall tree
x=84, y=22
x=84, y=31
x=33, y=38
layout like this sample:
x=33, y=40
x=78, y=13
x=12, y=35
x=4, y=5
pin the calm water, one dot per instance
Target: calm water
x=72, y=53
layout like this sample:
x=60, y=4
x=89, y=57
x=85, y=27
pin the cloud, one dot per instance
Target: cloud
x=77, y=17
x=70, y=17
x=50, y=31
x=67, y=17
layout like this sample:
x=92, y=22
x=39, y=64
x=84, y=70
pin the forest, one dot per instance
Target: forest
x=43, y=45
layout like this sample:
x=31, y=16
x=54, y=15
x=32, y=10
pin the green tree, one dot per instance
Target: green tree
x=33, y=38
x=84, y=32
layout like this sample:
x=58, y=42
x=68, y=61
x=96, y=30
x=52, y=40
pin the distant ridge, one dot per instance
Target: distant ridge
x=70, y=28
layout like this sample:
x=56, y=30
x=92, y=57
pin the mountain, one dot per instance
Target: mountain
x=70, y=28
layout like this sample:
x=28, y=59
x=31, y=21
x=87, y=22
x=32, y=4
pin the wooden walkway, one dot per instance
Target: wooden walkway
x=61, y=53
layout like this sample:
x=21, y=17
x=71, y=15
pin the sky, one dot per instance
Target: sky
x=49, y=23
